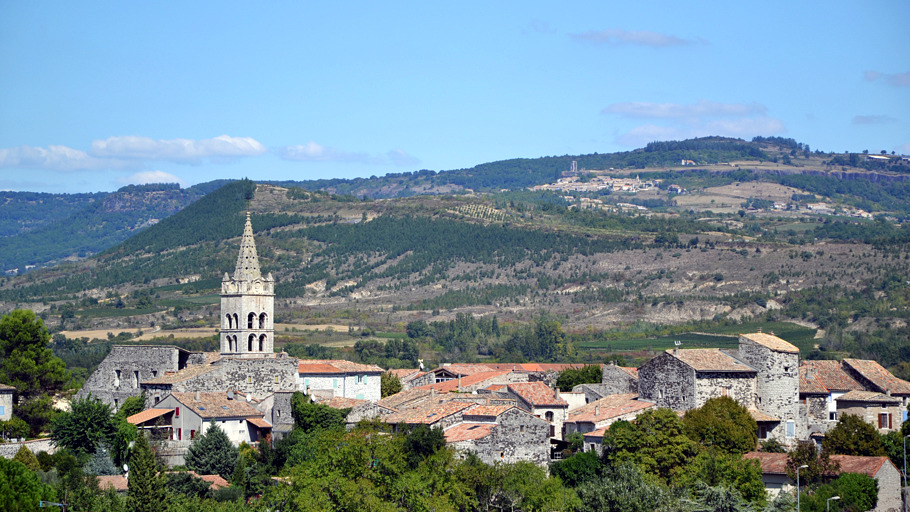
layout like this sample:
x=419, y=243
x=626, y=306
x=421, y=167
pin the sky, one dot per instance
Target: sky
x=98, y=95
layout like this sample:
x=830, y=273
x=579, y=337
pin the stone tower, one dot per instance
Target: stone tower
x=247, y=305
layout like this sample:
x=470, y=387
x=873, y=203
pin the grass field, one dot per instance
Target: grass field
x=721, y=336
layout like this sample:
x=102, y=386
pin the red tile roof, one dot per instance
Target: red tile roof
x=465, y=381
x=334, y=366
x=868, y=396
x=488, y=410
x=146, y=415
x=771, y=341
x=537, y=394
x=710, y=360
x=761, y=416
x=429, y=414
x=406, y=374
x=597, y=434
x=340, y=402
x=217, y=405
x=810, y=384
x=259, y=422
x=832, y=376
x=608, y=407
x=879, y=376
x=468, y=431
x=116, y=482
x=776, y=463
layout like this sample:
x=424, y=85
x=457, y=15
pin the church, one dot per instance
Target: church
x=246, y=362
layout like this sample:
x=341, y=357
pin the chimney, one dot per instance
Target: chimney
x=596, y=410
x=196, y=396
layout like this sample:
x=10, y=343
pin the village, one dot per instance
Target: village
x=500, y=412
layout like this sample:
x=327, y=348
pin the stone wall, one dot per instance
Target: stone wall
x=133, y=364
x=739, y=386
x=258, y=377
x=615, y=380
x=816, y=409
x=777, y=386
x=889, y=489
x=517, y=437
x=667, y=382
x=8, y=450
x=870, y=412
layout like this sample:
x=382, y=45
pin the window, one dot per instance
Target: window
x=135, y=379
x=884, y=420
x=549, y=416
x=177, y=412
x=154, y=373
x=179, y=434
x=791, y=428
x=276, y=379
x=832, y=416
x=364, y=380
x=249, y=379
x=157, y=399
x=192, y=434
x=116, y=378
x=262, y=318
x=521, y=429
x=762, y=432
x=249, y=320
x=334, y=383
x=2, y=410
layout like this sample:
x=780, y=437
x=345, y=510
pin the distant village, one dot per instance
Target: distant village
x=501, y=412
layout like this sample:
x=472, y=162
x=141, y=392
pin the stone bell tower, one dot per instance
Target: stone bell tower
x=247, y=305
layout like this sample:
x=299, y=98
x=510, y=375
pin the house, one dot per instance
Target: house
x=6, y=402
x=777, y=386
x=885, y=473
x=604, y=412
x=472, y=382
x=542, y=401
x=443, y=415
x=406, y=376
x=879, y=409
x=874, y=377
x=190, y=414
x=501, y=433
x=340, y=378
x=833, y=378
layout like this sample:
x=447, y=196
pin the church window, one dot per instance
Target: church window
x=262, y=318
x=251, y=340
x=236, y=321
x=230, y=321
x=261, y=342
x=249, y=320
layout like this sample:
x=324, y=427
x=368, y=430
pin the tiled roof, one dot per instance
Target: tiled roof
x=867, y=396
x=217, y=405
x=467, y=380
x=537, y=394
x=468, y=369
x=771, y=341
x=146, y=415
x=340, y=402
x=4, y=387
x=182, y=375
x=468, y=431
x=335, y=366
x=406, y=374
x=776, y=463
x=878, y=376
x=216, y=481
x=832, y=376
x=630, y=370
x=608, y=407
x=405, y=397
x=597, y=434
x=810, y=385
x=116, y=482
x=710, y=360
x=760, y=416
x=429, y=414
x=488, y=410
x=259, y=422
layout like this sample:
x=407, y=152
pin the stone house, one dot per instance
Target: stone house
x=885, y=473
x=874, y=377
x=686, y=379
x=441, y=414
x=501, y=433
x=619, y=379
x=834, y=379
x=879, y=409
x=777, y=384
x=6, y=402
x=191, y=414
x=473, y=382
x=341, y=378
x=813, y=402
x=407, y=376
x=542, y=401
x=604, y=412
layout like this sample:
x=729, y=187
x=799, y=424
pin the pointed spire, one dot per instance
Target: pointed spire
x=247, y=261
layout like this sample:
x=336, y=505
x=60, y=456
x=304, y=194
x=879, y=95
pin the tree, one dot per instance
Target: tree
x=722, y=423
x=853, y=436
x=390, y=384
x=212, y=453
x=655, y=441
x=578, y=469
x=20, y=488
x=571, y=377
x=624, y=488
x=85, y=427
x=146, y=483
x=312, y=416
x=821, y=467
x=131, y=406
x=716, y=468
x=423, y=441
x=857, y=493
x=25, y=456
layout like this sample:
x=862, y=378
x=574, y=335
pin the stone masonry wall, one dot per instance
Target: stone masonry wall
x=736, y=385
x=259, y=377
x=667, y=382
x=777, y=385
x=615, y=381
x=146, y=361
x=518, y=437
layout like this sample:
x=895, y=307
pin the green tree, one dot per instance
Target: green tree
x=87, y=425
x=15, y=427
x=146, y=491
x=820, y=469
x=390, y=384
x=25, y=456
x=212, y=453
x=20, y=488
x=131, y=406
x=716, y=468
x=655, y=441
x=857, y=492
x=578, y=469
x=421, y=442
x=722, y=423
x=853, y=436
x=571, y=377
x=624, y=488
x=312, y=416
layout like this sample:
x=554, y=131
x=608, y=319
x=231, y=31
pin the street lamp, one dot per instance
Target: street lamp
x=904, y=493
x=828, y=503
x=797, y=486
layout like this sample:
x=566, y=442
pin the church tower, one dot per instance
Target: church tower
x=247, y=305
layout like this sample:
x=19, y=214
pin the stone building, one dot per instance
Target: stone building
x=542, y=401
x=247, y=304
x=340, y=378
x=878, y=409
x=777, y=384
x=6, y=402
x=501, y=433
x=604, y=412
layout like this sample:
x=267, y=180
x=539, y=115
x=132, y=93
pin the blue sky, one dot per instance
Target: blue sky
x=97, y=95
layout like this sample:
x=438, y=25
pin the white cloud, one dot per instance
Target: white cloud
x=701, y=119
x=177, y=150
x=314, y=152
x=895, y=79
x=54, y=158
x=677, y=110
x=618, y=36
x=143, y=177
x=873, y=119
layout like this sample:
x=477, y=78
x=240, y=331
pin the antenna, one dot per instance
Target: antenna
x=677, y=343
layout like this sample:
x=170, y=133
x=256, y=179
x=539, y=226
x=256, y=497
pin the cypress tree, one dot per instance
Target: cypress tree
x=146, y=483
